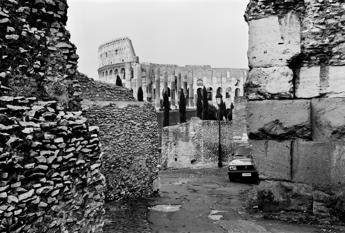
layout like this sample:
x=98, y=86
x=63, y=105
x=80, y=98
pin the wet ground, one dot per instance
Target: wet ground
x=195, y=201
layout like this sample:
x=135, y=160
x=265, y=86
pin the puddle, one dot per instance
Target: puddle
x=181, y=181
x=166, y=208
x=215, y=216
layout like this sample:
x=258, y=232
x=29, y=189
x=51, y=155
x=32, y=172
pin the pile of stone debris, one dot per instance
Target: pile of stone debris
x=295, y=202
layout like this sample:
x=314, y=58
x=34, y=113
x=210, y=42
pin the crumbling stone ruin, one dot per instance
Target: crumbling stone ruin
x=50, y=179
x=129, y=135
x=296, y=92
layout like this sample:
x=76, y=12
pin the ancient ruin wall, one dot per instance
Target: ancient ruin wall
x=130, y=147
x=296, y=89
x=129, y=136
x=49, y=164
x=50, y=169
x=37, y=58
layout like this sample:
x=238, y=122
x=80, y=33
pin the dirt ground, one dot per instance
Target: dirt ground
x=196, y=201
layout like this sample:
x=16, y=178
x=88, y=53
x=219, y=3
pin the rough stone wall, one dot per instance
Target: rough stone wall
x=98, y=91
x=129, y=135
x=195, y=143
x=50, y=169
x=37, y=58
x=50, y=179
x=296, y=89
x=130, y=142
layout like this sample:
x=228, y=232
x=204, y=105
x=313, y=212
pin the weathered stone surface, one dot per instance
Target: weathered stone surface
x=30, y=69
x=325, y=81
x=312, y=162
x=298, y=202
x=97, y=91
x=34, y=176
x=274, y=41
x=269, y=83
x=335, y=84
x=338, y=164
x=277, y=196
x=284, y=119
x=321, y=32
x=308, y=83
x=272, y=159
x=129, y=134
x=328, y=119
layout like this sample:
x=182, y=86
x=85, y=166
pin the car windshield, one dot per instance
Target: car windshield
x=243, y=156
x=243, y=152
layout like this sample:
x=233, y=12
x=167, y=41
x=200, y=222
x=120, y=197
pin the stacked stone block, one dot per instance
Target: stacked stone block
x=50, y=178
x=296, y=89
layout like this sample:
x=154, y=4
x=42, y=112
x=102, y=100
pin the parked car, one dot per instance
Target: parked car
x=242, y=167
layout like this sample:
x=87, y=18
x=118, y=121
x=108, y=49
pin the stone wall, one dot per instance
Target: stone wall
x=129, y=135
x=49, y=165
x=37, y=58
x=195, y=143
x=130, y=139
x=49, y=158
x=296, y=89
x=97, y=91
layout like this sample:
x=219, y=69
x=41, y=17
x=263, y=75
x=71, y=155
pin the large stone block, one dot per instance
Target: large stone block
x=336, y=82
x=328, y=119
x=325, y=80
x=308, y=83
x=270, y=83
x=285, y=119
x=274, y=41
x=338, y=164
x=312, y=162
x=272, y=159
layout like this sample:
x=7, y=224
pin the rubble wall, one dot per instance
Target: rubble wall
x=97, y=91
x=50, y=169
x=37, y=57
x=130, y=142
x=50, y=179
x=296, y=89
x=195, y=144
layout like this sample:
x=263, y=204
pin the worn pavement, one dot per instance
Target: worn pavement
x=196, y=201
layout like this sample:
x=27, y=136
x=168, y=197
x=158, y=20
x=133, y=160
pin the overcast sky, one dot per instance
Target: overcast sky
x=182, y=32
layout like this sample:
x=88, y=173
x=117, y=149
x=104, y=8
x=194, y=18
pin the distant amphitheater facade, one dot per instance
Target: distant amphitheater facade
x=117, y=59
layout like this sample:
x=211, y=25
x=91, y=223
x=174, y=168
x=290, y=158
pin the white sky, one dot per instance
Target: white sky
x=182, y=32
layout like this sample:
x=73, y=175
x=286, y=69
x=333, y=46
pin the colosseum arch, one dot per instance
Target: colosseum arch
x=122, y=72
x=209, y=93
x=219, y=90
x=237, y=93
x=228, y=93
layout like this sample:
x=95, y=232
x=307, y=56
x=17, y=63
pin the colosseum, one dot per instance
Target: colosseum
x=117, y=60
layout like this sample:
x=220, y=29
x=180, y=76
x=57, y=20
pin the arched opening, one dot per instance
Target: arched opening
x=111, y=73
x=116, y=72
x=123, y=73
x=228, y=93
x=237, y=93
x=132, y=72
x=219, y=90
x=209, y=93
x=106, y=73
